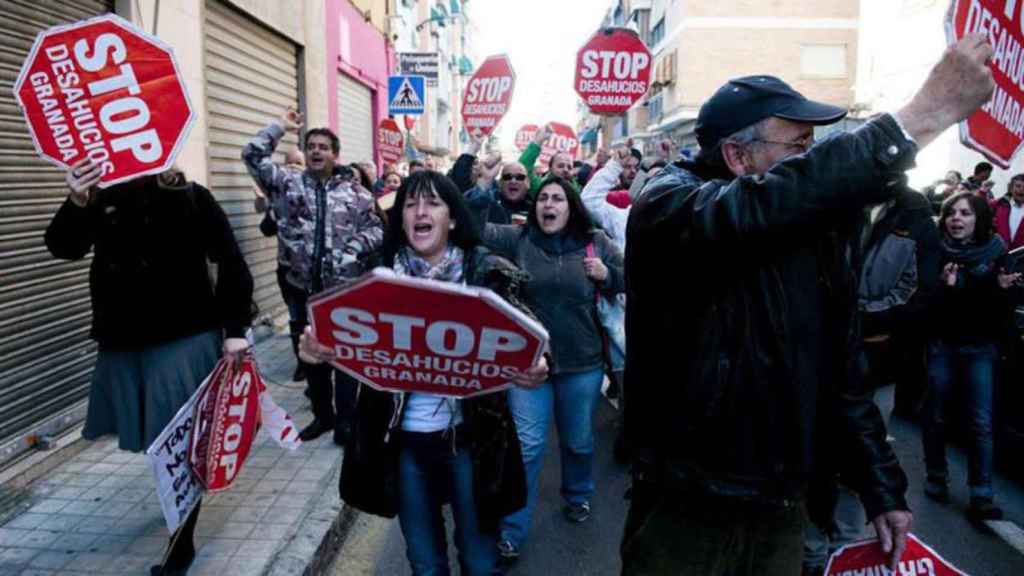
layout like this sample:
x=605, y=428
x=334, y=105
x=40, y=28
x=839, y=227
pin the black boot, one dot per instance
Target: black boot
x=181, y=551
x=295, y=328
x=315, y=429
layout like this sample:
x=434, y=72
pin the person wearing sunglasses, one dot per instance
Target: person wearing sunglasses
x=507, y=203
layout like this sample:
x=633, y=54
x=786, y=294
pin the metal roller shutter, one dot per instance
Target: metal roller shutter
x=251, y=77
x=355, y=120
x=46, y=356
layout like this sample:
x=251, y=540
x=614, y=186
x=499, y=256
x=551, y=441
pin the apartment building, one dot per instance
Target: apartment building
x=698, y=45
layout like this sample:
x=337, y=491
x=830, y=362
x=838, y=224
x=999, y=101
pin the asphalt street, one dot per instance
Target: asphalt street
x=375, y=546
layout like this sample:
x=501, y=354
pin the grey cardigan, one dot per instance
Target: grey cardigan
x=560, y=293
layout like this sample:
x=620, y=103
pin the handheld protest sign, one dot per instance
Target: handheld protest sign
x=177, y=487
x=525, y=135
x=488, y=96
x=102, y=88
x=403, y=334
x=866, y=557
x=227, y=418
x=389, y=141
x=563, y=139
x=996, y=130
x=613, y=71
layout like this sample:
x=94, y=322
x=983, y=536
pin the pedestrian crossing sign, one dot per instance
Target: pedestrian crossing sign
x=406, y=94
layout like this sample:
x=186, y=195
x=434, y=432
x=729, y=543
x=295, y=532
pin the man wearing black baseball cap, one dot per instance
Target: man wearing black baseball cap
x=745, y=388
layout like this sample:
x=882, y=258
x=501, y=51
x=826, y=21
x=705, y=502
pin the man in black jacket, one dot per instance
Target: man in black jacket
x=743, y=368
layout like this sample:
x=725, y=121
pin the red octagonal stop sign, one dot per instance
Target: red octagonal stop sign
x=525, y=135
x=389, y=141
x=102, y=88
x=488, y=95
x=613, y=71
x=563, y=139
x=404, y=334
x=866, y=559
x=997, y=128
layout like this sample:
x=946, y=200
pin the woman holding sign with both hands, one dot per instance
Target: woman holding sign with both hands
x=160, y=324
x=411, y=453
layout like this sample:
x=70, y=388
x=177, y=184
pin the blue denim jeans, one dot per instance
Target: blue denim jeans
x=430, y=474
x=972, y=368
x=571, y=400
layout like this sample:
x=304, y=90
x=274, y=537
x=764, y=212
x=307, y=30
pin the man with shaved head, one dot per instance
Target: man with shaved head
x=508, y=202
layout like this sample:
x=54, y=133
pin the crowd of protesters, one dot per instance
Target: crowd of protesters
x=765, y=287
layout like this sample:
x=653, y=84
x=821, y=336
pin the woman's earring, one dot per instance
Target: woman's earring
x=451, y=225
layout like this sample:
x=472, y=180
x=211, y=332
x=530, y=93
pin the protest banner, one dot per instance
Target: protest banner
x=389, y=141
x=997, y=128
x=400, y=333
x=102, y=88
x=525, y=135
x=488, y=96
x=866, y=558
x=227, y=417
x=613, y=71
x=563, y=139
x=176, y=487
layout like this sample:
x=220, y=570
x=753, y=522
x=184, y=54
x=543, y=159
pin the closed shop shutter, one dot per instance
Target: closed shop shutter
x=251, y=77
x=355, y=120
x=46, y=356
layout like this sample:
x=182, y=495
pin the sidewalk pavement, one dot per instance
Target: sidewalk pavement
x=97, y=512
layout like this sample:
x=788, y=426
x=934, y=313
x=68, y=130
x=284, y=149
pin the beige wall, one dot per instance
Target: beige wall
x=180, y=25
x=314, y=54
x=716, y=41
x=775, y=52
x=772, y=8
x=378, y=12
x=285, y=17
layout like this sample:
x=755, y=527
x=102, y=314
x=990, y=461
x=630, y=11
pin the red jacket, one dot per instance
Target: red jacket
x=1001, y=220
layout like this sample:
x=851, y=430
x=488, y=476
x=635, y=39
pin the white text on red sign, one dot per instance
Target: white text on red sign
x=126, y=116
x=454, y=347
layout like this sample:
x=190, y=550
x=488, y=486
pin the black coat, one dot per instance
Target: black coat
x=369, y=473
x=149, y=277
x=743, y=371
x=907, y=225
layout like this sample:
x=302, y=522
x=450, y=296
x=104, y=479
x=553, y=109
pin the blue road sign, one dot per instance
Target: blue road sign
x=406, y=94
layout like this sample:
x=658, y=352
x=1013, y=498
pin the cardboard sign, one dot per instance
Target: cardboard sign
x=227, y=417
x=867, y=559
x=102, y=88
x=525, y=135
x=488, y=96
x=613, y=71
x=389, y=141
x=997, y=128
x=176, y=487
x=399, y=333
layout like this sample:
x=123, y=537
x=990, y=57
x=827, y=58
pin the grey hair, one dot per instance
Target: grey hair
x=742, y=137
x=749, y=134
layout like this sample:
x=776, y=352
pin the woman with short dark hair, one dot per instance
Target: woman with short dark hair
x=971, y=311
x=569, y=263
x=411, y=453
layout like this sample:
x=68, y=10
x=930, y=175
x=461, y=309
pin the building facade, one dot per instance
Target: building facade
x=697, y=46
x=244, y=62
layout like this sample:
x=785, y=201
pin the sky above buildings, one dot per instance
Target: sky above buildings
x=541, y=38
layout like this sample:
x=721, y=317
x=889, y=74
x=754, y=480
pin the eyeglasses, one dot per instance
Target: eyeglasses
x=519, y=177
x=804, y=143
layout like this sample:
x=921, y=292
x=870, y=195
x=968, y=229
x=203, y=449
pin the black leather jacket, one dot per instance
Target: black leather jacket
x=744, y=373
x=369, y=473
